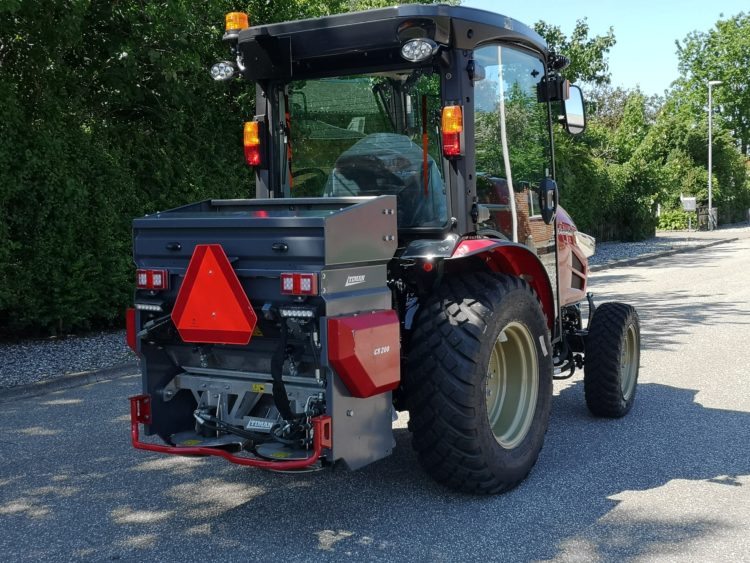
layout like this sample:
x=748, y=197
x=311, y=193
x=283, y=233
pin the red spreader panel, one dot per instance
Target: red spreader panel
x=211, y=306
x=365, y=352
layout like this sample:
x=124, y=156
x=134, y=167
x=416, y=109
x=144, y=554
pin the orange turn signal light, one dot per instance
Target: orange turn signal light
x=453, y=119
x=251, y=140
x=452, y=130
x=251, y=135
x=235, y=21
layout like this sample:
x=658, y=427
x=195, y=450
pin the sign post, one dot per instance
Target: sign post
x=689, y=206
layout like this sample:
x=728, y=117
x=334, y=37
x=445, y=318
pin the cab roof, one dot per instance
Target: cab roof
x=368, y=39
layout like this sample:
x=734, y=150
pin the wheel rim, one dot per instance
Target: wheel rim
x=512, y=385
x=629, y=362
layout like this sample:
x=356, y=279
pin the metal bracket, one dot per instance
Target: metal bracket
x=140, y=413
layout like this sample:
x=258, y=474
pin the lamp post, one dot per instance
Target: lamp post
x=711, y=83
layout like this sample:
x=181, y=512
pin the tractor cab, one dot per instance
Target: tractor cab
x=417, y=101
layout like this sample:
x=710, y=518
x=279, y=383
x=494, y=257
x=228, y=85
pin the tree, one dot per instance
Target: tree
x=355, y=5
x=722, y=53
x=588, y=55
x=678, y=140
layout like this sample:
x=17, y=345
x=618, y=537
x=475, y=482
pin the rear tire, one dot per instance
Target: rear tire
x=478, y=382
x=613, y=352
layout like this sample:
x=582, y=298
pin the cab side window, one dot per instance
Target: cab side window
x=512, y=140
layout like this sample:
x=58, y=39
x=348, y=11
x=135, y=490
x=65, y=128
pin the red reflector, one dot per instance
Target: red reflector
x=152, y=279
x=299, y=284
x=130, y=329
x=365, y=352
x=211, y=306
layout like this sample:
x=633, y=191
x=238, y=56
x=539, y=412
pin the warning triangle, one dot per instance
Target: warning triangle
x=211, y=305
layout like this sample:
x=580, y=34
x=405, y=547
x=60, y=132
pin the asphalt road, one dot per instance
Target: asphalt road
x=670, y=482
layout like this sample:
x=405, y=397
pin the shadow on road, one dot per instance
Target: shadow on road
x=70, y=469
x=666, y=316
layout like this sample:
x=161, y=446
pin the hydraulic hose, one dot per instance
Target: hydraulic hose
x=280, y=397
x=214, y=424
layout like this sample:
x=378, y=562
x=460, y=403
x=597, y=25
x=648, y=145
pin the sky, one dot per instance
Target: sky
x=645, y=53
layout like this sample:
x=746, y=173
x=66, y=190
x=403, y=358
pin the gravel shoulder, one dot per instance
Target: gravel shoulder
x=609, y=252
x=33, y=361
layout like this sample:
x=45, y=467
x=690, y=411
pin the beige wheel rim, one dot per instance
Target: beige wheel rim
x=629, y=363
x=512, y=385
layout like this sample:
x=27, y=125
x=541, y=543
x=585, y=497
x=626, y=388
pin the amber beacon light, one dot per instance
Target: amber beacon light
x=236, y=21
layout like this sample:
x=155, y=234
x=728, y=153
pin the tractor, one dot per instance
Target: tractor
x=405, y=251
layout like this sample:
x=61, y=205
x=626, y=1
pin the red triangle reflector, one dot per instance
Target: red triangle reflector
x=211, y=306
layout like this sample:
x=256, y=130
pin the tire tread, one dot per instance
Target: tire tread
x=440, y=382
x=602, y=362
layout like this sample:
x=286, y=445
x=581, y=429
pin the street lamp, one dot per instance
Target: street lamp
x=710, y=153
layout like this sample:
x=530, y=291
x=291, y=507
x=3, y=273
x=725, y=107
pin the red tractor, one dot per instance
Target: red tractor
x=405, y=251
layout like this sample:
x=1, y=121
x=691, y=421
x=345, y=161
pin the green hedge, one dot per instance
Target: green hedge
x=677, y=220
x=107, y=112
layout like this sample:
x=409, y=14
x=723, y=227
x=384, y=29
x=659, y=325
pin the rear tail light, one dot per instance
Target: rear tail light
x=251, y=140
x=299, y=284
x=453, y=130
x=152, y=279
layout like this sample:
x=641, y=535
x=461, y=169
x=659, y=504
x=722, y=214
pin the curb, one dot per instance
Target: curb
x=67, y=382
x=659, y=254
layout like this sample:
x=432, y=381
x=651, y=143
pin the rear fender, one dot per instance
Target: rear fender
x=515, y=260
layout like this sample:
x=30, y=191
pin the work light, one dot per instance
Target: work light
x=223, y=70
x=419, y=49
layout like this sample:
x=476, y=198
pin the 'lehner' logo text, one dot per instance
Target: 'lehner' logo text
x=354, y=280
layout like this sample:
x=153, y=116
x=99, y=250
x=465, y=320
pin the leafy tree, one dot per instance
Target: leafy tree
x=641, y=150
x=722, y=53
x=632, y=128
x=678, y=141
x=588, y=55
x=354, y=5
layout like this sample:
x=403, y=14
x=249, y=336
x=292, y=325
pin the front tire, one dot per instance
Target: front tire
x=613, y=352
x=478, y=383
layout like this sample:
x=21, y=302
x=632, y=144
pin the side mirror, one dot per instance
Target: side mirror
x=548, y=199
x=575, y=113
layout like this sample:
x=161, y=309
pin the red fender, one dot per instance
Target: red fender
x=515, y=260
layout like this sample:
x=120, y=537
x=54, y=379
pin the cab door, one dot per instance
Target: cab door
x=512, y=140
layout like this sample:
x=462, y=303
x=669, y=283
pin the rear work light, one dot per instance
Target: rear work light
x=299, y=284
x=152, y=279
x=297, y=312
x=453, y=130
x=150, y=307
x=251, y=140
x=419, y=49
